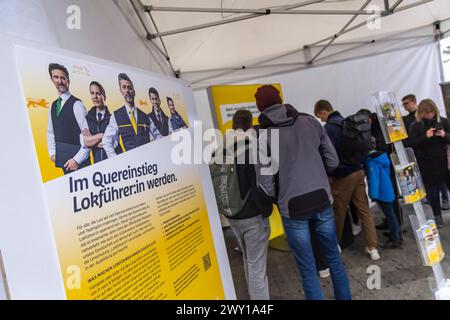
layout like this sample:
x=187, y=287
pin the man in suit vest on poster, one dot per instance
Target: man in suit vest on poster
x=97, y=120
x=157, y=117
x=66, y=121
x=128, y=126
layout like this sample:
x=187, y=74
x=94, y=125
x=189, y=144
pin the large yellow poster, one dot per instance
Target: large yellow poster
x=127, y=222
x=227, y=100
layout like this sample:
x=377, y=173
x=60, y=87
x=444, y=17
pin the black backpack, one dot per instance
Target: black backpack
x=356, y=139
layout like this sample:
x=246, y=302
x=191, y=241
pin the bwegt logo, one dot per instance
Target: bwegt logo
x=210, y=146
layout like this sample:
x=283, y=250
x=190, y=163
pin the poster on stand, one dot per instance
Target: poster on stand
x=127, y=222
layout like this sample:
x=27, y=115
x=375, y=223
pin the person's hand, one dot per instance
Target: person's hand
x=86, y=133
x=440, y=133
x=52, y=158
x=430, y=132
x=71, y=165
x=100, y=145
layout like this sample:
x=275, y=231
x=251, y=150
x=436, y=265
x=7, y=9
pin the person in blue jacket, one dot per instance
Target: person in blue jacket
x=378, y=171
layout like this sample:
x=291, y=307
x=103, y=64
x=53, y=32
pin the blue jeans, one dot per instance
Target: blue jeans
x=299, y=239
x=393, y=224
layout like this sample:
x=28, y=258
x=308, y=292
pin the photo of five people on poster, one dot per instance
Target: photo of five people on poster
x=77, y=138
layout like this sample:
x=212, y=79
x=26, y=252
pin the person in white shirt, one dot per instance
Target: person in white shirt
x=66, y=121
x=157, y=117
x=97, y=120
x=129, y=127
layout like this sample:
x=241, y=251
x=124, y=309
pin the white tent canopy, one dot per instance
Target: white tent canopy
x=270, y=46
x=122, y=31
x=297, y=34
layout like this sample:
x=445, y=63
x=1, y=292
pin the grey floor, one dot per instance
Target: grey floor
x=402, y=274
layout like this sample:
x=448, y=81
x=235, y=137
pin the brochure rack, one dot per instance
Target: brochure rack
x=411, y=185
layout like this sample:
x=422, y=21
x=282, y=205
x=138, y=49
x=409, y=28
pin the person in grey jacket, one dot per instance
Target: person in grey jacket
x=304, y=156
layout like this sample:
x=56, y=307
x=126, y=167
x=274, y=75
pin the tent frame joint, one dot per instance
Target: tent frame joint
x=387, y=12
x=438, y=34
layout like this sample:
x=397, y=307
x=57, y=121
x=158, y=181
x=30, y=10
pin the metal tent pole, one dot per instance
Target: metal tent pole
x=412, y=5
x=359, y=25
x=263, y=11
x=259, y=65
x=395, y=5
x=230, y=20
x=146, y=29
x=163, y=53
x=4, y=280
x=290, y=70
x=149, y=36
x=233, y=70
x=439, y=36
x=339, y=33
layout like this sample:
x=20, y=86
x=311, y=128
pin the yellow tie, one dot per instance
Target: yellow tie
x=133, y=121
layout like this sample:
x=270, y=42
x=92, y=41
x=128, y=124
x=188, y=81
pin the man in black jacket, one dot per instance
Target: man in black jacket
x=348, y=183
x=158, y=118
x=409, y=102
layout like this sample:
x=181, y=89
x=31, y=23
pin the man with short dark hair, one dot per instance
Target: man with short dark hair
x=176, y=120
x=97, y=119
x=348, y=183
x=322, y=110
x=251, y=224
x=158, y=118
x=409, y=102
x=128, y=126
x=66, y=121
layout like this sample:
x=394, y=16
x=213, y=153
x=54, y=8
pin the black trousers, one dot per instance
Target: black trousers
x=433, y=195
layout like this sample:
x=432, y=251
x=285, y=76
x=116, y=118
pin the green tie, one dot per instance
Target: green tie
x=58, y=106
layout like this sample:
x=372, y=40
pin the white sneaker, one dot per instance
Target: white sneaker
x=339, y=249
x=356, y=229
x=324, y=273
x=374, y=255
